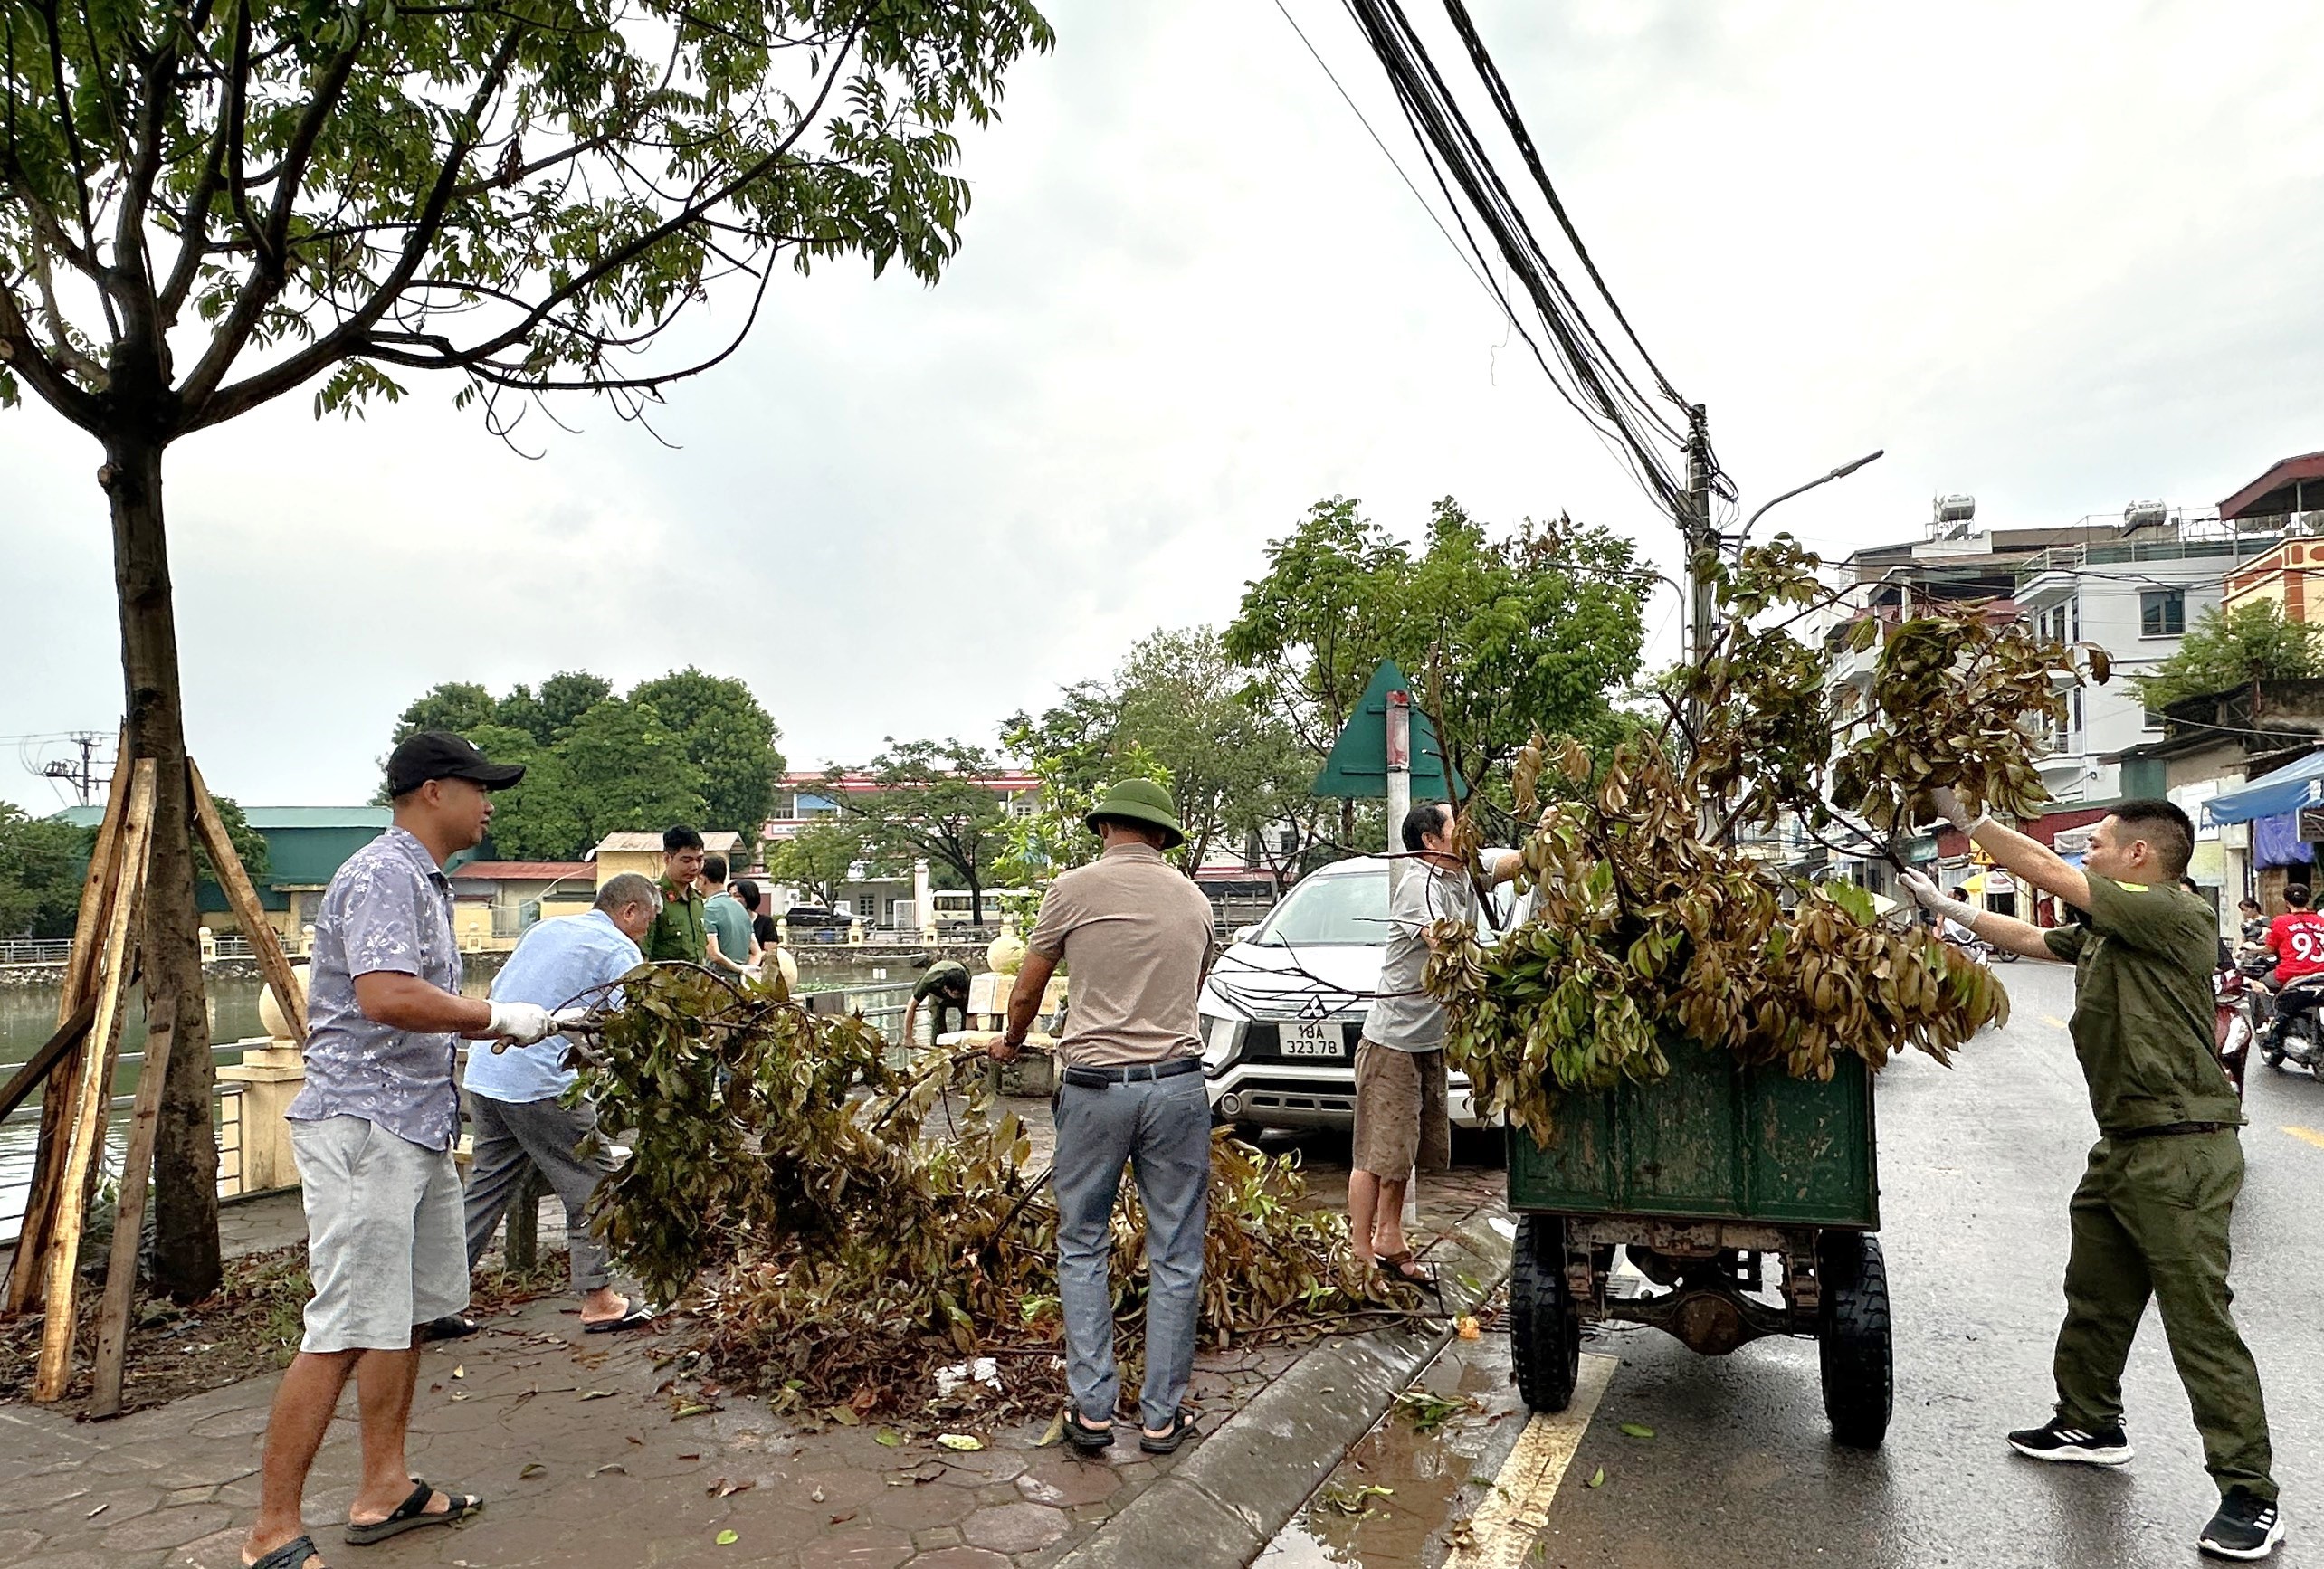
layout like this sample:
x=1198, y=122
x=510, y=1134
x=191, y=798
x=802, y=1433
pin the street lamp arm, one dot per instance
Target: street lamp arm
x=1842, y=473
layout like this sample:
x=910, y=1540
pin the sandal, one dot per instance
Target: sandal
x=1399, y=1270
x=413, y=1513
x=292, y=1555
x=451, y=1327
x=1084, y=1437
x=1182, y=1422
x=640, y=1314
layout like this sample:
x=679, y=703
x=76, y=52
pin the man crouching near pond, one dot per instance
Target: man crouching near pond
x=1137, y=934
x=372, y=1132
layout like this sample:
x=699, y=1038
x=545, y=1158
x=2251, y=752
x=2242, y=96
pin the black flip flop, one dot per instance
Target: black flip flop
x=1082, y=1436
x=451, y=1327
x=292, y=1555
x=413, y=1513
x=1182, y=1422
x=638, y=1315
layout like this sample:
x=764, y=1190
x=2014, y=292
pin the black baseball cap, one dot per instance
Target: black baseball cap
x=426, y=755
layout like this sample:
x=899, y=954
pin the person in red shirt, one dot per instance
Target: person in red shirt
x=2296, y=939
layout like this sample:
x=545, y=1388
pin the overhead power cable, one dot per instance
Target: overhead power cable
x=1646, y=427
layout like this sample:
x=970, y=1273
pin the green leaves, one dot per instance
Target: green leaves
x=528, y=193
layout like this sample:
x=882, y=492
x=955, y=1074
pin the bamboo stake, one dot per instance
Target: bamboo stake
x=243, y=898
x=56, y=1096
x=88, y=1128
x=129, y=1216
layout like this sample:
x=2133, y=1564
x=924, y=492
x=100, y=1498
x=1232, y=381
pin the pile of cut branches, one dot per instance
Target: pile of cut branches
x=849, y=1246
x=1648, y=926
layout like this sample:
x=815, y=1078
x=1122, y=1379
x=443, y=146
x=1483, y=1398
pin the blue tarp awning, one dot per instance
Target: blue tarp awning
x=2288, y=789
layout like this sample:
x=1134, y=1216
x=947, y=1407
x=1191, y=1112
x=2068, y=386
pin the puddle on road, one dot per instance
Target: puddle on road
x=1435, y=1475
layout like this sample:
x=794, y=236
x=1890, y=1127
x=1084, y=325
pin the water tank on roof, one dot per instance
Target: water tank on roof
x=2145, y=514
x=1956, y=509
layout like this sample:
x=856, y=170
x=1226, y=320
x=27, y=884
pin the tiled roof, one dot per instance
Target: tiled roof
x=627, y=842
x=525, y=871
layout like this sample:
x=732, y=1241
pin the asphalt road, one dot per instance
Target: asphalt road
x=1975, y=1164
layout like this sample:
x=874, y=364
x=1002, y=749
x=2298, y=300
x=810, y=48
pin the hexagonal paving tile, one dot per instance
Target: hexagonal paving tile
x=916, y=1508
x=960, y=1558
x=1063, y=1481
x=1014, y=1528
x=857, y=1547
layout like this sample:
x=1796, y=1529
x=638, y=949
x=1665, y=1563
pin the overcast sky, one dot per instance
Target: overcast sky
x=2062, y=257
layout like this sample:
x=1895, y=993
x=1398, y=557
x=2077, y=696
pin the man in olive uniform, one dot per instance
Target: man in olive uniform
x=944, y=987
x=2150, y=1218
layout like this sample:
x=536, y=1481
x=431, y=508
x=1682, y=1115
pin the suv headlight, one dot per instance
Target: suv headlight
x=1222, y=1039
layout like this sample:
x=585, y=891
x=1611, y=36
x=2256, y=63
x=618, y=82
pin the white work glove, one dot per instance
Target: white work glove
x=519, y=1023
x=1949, y=806
x=1927, y=894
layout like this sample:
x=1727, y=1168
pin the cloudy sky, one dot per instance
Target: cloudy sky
x=2062, y=257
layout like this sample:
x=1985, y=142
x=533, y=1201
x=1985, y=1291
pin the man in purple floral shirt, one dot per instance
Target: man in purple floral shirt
x=373, y=1132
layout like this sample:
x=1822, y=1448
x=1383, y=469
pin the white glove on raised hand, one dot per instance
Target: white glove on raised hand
x=1927, y=893
x=519, y=1023
x=1949, y=806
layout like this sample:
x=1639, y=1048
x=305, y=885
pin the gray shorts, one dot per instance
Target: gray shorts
x=386, y=1247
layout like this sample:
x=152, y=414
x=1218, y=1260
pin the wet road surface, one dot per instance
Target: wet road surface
x=1975, y=1166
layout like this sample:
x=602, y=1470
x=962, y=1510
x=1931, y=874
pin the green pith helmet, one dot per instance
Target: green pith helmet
x=1140, y=800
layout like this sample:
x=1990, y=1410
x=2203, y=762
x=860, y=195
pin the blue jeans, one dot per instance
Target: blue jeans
x=1162, y=1128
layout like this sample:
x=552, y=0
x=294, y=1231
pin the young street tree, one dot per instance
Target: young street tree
x=1538, y=627
x=934, y=799
x=2223, y=651
x=209, y=207
x=816, y=860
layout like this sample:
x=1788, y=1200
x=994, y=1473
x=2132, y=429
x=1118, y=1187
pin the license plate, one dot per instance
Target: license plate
x=1311, y=1038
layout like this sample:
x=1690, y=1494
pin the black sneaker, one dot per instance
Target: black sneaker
x=2244, y=1528
x=2059, y=1440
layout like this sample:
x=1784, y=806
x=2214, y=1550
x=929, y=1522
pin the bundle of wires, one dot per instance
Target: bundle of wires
x=1645, y=424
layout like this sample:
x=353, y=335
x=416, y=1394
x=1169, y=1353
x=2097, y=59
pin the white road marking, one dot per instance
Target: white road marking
x=1503, y=1531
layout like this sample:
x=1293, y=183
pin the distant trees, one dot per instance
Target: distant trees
x=1540, y=626
x=816, y=860
x=41, y=863
x=2251, y=642
x=934, y=800
x=685, y=748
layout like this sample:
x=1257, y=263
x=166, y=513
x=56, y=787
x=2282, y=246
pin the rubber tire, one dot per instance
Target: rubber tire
x=1544, y=1328
x=1853, y=1341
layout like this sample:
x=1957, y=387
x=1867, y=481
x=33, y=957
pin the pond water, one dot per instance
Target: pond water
x=28, y=1017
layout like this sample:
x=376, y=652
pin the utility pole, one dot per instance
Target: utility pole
x=1399, y=754
x=1701, y=544
x=81, y=776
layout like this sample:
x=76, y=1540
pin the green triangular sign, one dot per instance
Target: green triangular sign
x=1358, y=768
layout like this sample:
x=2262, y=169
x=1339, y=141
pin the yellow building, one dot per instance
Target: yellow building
x=642, y=852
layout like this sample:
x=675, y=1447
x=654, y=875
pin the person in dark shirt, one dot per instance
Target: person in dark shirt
x=762, y=924
x=944, y=986
x=2150, y=1218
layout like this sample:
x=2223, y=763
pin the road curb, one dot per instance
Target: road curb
x=1226, y=1500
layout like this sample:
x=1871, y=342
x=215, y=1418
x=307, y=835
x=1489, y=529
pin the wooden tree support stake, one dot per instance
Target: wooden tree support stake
x=243, y=898
x=129, y=1218
x=56, y=1098
x=62, y=1255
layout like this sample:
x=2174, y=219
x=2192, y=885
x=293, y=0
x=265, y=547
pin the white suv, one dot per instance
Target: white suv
x=1284, y=1005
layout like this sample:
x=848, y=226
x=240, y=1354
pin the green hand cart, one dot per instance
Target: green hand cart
x=1713, y=1180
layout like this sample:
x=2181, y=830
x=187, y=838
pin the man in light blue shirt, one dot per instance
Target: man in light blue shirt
x=514, y=1098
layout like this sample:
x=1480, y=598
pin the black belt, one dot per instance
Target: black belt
x=2171, y=1130
x=1099, y=1077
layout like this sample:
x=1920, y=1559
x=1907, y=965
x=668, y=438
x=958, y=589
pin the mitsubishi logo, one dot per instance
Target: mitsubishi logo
x=1314, y=1008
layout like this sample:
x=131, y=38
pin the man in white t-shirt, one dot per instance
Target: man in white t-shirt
x=1400, y=1116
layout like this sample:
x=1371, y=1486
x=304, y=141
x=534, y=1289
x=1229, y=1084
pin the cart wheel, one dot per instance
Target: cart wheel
x=1545, y=1329
x=1852, y=1338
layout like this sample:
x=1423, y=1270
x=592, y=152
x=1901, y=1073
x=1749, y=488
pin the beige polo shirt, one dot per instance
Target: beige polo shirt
x=1135, y=934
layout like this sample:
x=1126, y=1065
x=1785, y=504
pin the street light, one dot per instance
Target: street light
x=1842, y=473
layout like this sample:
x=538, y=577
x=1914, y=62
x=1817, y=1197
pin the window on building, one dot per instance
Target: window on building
x=2162, y=611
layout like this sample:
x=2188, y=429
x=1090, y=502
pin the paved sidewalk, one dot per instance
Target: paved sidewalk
x=573, y=1442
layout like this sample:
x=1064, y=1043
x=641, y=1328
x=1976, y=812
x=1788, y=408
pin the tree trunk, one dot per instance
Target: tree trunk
x=185, y=1151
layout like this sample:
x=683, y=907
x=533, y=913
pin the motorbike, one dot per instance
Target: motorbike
x=2299, y=1037
x=2236, y=1022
